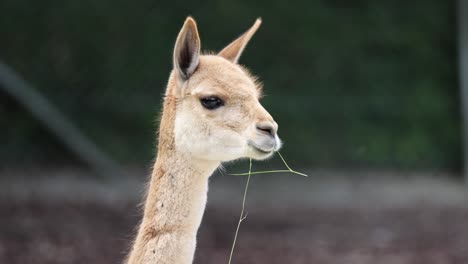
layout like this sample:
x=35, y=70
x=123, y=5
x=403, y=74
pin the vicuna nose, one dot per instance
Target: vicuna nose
x=267, y=127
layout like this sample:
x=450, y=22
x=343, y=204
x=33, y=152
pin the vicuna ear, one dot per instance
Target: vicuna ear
x=233, y=51
x=187, y=50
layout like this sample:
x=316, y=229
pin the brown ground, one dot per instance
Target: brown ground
x=320, y=221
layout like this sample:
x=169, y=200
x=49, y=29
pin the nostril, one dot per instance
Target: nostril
x=268, y=129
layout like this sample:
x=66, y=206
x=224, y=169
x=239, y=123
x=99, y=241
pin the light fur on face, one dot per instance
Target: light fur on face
x=231, y=131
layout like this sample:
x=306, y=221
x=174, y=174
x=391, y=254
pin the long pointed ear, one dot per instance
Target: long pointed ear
x=234, y=50
x=187, y=50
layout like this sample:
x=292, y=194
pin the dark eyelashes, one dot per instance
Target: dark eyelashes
x=211, y=102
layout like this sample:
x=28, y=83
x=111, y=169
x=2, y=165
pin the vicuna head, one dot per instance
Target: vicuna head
x=218, y=114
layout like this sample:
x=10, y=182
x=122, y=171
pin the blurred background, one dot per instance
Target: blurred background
x=367, y=95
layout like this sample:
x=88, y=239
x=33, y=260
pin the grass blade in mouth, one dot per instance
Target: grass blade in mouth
x=243, y=215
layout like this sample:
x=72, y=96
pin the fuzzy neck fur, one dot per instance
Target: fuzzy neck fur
x=175, y=201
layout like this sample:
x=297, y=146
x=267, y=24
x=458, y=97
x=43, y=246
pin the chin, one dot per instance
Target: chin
x=265, y=157
x=260, y=155
x=257, y=153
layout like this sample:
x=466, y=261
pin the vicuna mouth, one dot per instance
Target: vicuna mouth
x=262, y=151
x=259, y=149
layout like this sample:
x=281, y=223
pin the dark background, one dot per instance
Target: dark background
x=352, y=84
x=365, y=92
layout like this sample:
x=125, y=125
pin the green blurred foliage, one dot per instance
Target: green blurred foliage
x=351, y=83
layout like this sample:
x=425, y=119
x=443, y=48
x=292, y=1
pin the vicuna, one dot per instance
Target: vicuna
x=211, y=114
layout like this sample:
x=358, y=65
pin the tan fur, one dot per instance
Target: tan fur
x=233, y=51
x=193, y=141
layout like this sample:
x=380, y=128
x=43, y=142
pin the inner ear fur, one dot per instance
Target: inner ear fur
x=187, y=50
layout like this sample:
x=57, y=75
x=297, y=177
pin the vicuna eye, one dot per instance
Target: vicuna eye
x=211, y=102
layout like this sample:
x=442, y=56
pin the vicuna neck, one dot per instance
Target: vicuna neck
x=175, y=201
